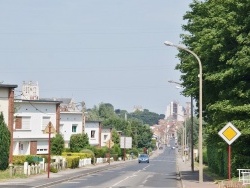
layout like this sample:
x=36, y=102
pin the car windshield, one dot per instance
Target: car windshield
x=143, y=155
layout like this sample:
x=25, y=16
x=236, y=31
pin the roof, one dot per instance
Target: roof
x=8, y=86
x=63, y=100
x=38, y=101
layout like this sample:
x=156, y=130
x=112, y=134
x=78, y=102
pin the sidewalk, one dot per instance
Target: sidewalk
x=42, y=180
x=190, y=179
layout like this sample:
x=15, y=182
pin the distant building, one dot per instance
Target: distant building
x=175, y=111
x=30, y=91
x=137, y=108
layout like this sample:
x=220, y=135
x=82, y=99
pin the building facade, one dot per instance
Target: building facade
x=31, y=119
x=7, y=108
x=70, y=123
x=93, y=130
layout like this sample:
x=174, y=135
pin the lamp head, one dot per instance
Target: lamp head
x=167, y=43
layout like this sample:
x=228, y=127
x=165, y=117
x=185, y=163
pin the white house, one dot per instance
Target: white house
x=7, y=108
x=70, y=123
x=71, y=119
x=105, y=136
x=93, y=130
x=31, y=119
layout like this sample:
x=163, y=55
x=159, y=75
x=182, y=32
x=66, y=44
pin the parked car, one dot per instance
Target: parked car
x=143, y=158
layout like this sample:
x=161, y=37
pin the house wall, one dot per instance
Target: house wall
x=4, y=103
x=68, y=119
x=94, y=140
x=25, y=136
x=105, y=134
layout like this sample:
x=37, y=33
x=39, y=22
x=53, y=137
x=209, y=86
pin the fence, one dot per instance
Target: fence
x=58, y=163
x=244, y=176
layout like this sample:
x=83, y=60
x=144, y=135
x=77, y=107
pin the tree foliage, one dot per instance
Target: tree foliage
x=78, y=142
x=57, y=144
x=219, y=33
x=5, y=144
x=147, y=117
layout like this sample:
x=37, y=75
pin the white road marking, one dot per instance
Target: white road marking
x=134, y=174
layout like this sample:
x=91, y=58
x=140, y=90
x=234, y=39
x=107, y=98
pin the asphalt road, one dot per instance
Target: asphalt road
x=159, y=172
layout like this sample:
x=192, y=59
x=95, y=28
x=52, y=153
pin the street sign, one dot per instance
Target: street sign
x=125, y=142
x=52, y=129
x=229, y=133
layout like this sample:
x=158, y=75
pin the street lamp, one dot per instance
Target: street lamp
x=167, y=43
x=192, y=128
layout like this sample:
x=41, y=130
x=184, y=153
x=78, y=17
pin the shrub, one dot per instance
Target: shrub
x=72, y=161
x=19, y=159
x=53, y=169
x=5, y=144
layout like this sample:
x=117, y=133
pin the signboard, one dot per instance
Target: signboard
x=52, y=129
x=126, y=142
x=229, y=133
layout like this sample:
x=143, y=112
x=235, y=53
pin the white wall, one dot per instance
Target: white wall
x=66, y=122
x=108, y=134
x=36, y=112
x=4, y=103
x=92, y=126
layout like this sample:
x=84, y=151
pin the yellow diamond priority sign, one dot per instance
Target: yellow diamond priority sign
x=229, y=133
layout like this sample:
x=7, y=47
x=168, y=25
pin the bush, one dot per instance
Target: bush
x=72, y=161
x=19, y=159
x=31, y=159
x=5, y=144
x=53, y=169
x=80, y=155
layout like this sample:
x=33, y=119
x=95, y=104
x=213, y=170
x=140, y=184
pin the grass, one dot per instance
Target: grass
x=208, y=172
x=5, y=175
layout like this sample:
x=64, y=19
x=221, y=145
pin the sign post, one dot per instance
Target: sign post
x=49, y=129
x=229, y=133
x=125, y=142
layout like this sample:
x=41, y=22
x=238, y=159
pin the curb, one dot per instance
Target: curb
x=101, y=168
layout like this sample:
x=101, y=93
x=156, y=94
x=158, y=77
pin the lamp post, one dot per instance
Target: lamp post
x=167, y=43
x=192, y=128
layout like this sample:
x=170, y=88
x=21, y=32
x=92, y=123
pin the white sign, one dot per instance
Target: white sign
x=126, y=142
x=229, y=133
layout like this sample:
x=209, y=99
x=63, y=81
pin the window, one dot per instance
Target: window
x=20, y=146
x=45, y=122
x=92, y=134
x=25, y=122
x=105, y=137
x=22, y=122
x=18, y=122
x=74, y=127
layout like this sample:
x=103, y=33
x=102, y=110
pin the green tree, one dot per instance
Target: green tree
x=57, y=144
x=5, y=144
x=115, y=137
x=146, y=116
x=93, y=114
x=218, y=32
x=78, y=142
x=106, y=110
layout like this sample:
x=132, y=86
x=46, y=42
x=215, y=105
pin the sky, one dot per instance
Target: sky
x=94, y=51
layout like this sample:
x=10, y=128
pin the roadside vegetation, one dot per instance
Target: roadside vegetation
x=218, y=32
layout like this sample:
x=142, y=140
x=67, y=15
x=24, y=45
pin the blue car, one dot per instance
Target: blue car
x=143, y=158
